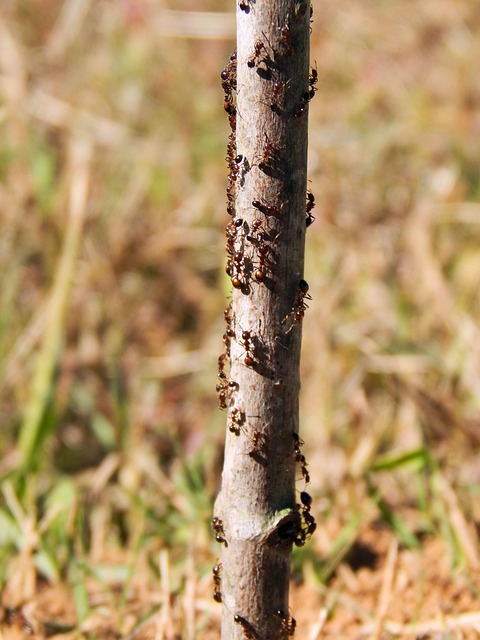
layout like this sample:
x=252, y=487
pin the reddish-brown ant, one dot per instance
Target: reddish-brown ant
x=217, y=526
x=217, y=581
x=299, y=307
x=267, y=157
x=259, y=443
x=299, y=457
x=259, y=56
x=288, y=623
x=236, y=419
x=287, y=39
x=277, y=98
x=249, y=348
x=267, y=209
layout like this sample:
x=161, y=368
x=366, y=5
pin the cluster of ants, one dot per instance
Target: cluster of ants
x=251, y=261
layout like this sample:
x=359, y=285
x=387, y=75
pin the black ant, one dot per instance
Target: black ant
x=312, y=81
x=288, y=623
x=308, y=525
x=217, y=526
x=301, y=106
x=309, y=219
x=246, y=5
x=308, y=519
x=248, y=628
x=217, y=581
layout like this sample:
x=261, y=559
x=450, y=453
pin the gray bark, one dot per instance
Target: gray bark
x=257, y=517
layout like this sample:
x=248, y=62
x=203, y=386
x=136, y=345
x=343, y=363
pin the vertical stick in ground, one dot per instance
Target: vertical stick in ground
x=257, y=517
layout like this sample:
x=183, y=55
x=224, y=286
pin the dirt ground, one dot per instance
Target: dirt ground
x=379, y=591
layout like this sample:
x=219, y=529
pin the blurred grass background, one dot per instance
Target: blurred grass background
x=112, y=286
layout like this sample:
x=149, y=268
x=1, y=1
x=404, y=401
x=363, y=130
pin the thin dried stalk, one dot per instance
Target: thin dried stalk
x=256, y=514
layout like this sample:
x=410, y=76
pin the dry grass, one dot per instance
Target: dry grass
x=112, y=288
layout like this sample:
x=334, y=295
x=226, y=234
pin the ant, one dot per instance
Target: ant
x=301, y=304
x=229, y=74
x=221, y=362
x=248, y=628
x=258, y=48
x=260, y=273
x=309, y=525
x=231, y=149
x=236, y=419
x=312, y=81
x=299, y=457
x=259, y=442
x=229, y=107
x=310, y=204
x=260, y=55
x=249, y=348
x=224, y=390
x=277, y=94
x=246, y=5
x=217, y=581
x=287, y=39
x=217, y=526
x=288, y=623
x=267, y=154
x=302, y=106
x=267, y=209
x=298, y=309
x=308, y=519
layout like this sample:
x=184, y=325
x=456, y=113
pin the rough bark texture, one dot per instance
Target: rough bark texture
x=257, y=517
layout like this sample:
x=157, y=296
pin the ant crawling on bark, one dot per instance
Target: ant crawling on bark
x=267, y=209
x=299, y=457
x=259, y=442
x=249, y=348
x=248, y=628
x=259, y=53
x=287, y=623
x=217, y=581
x=246, y=5
x=310, y=204
x=236, y=420
x=217, y=526
x=308, y=525
x=287, y=39
x=298, y=310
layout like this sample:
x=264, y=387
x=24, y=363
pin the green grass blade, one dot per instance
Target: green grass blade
x=31, y=429
x=414, y=459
